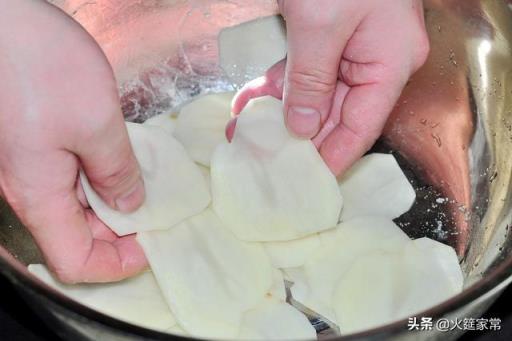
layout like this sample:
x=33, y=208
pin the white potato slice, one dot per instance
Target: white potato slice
x=208, y=277
x=293, y=253
x=136, y=300
x=340, y=248
x=276, y=320
x=302, y=293
x=249, y=49
x=278, y=290
x=299, y=289
x=201, y=125
x=383, y=287
x=444, y=256
x=376, y=185
x=175, y=187
x=369, y=292
x=165, y=121
x=269, y=186
x=435, y=275
x=177, y=330
x=206, y=175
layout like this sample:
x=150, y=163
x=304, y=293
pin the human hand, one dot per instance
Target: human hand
x=59, y=111
x=347, y=64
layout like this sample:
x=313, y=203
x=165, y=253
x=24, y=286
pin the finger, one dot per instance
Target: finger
x=98, y=229
x=271, y=84
x=363, y=115
x=110, y=165
x=230, y=128
x=315, y=46
x=63, y=232
x=332, y=121
x=334, y=117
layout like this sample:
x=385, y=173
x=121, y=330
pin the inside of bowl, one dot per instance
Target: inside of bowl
x=451, y=130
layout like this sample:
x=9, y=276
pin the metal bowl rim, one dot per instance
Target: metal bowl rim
x=16, y=273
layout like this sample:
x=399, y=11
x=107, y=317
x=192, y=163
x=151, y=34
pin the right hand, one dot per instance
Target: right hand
x=59, y=112
x=346, y=66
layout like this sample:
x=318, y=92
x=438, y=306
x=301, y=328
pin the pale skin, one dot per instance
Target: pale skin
x=347, y=64
x=59, y=111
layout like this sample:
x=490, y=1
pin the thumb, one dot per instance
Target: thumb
x=315, y=47
x=111, y=167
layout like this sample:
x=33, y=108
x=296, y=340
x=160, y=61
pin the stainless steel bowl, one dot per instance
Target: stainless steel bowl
x=451, y=129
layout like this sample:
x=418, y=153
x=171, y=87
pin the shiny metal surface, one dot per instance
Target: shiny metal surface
x=452, y=130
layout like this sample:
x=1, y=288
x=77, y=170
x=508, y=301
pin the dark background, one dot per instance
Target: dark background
x=18, y=322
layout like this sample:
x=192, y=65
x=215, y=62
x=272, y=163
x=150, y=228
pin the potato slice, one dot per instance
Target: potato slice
x=175, y=187
x=165, y=121
x=276, y=320
x=277, y=290
x=383, y=287
x=205, y=171
x=302, y=293
x=201, y=125
x=136, y=300
x=269, y=186
x=299, y=289
x=376, y=185
x=340, y=248
x=249, y=49
x=369, y=292
x=435, y=275
x=293, y=253
x=177, y=330
x=208, y=277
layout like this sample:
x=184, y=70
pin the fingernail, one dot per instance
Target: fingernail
x=132, y=200
x=303, y=122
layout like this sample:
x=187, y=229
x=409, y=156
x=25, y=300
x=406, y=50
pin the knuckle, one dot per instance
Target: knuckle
x=363, y=134
x=311, y=81
x=119, y=175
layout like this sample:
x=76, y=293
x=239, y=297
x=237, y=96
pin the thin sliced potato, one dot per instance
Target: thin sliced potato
x=278, y=290
x=299, y=289
x=177, y=330
x=435, y=275
x=340, y=248
x=165, y=121
x=201, y=125
x=369, y=291
x=276, y=320
x=269, y=186
x=208, y=277
x=293, y=253
x=376, y=186
x=383, y=287
x=137, y=300
x=175, y=187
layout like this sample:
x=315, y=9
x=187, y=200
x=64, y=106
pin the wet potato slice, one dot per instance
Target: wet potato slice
x=137, y=300
x=175, y=187
x=201, y=125
x=376, y=186
x=208, y=277
x=268, y=185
